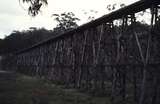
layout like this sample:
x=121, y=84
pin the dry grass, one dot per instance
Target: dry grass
x=32, y=90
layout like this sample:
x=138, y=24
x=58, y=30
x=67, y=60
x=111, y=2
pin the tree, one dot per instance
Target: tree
x=112, y=7
x=90, y=14
x=19, y=40
x=66, y=21
x=34, y=6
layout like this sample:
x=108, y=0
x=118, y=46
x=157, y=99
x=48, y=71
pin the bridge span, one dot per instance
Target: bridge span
x=114, y=54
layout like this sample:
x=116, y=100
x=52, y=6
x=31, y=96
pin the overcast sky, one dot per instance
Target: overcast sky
x=15, y=17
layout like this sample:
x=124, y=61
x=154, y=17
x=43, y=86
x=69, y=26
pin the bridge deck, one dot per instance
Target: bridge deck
x=128, y=10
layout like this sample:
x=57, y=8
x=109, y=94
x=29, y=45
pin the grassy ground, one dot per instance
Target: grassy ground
x=29, y=90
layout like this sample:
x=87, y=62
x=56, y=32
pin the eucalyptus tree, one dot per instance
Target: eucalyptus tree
x=65, y=21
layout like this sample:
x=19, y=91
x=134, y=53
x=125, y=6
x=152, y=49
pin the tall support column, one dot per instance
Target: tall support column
x=145, y=82
x=119, y=72
x=82, y=59
x=133, y=20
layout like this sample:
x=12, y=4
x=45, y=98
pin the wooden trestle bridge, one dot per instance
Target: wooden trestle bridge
x=112, y=55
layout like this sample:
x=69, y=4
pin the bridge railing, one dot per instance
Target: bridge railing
x=114, y=55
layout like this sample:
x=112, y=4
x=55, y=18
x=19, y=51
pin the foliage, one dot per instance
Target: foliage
x=90, y=14
x=34, y=6
x=111, y=7
x=19, y=40
x=66, y=21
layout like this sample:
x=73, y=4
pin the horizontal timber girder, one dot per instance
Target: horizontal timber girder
x=101, y=57
x=128, y=10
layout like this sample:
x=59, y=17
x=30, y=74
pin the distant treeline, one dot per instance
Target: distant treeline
x=19, y=40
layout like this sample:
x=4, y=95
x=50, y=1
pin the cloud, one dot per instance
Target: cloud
x=14, y=17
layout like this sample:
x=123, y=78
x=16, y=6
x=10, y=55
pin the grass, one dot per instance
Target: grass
x=32, y=90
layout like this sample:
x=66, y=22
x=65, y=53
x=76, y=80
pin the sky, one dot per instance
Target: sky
x=14, y=15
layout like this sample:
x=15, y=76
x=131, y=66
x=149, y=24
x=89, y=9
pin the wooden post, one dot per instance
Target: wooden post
x=144, y=81
x=82, y=58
